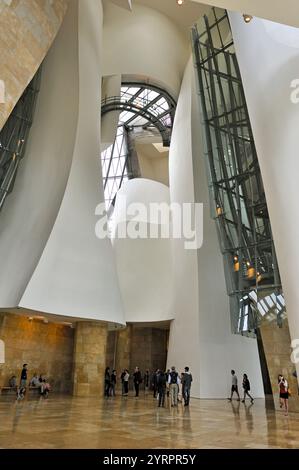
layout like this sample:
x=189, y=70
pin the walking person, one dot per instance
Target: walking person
x=112, y=383
x=174, y=381
x=107, y=381
x=246, y=388
x=137, y=379
x=161, y=387
x=283, y=393
x=234, y=388
x=126, y=382
x=187, y=380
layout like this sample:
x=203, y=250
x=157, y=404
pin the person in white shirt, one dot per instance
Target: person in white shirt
x=126, y=382
x=234, y=388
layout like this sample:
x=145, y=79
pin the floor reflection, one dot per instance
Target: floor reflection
x=127, y=422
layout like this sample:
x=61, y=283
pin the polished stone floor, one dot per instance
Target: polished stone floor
x=67, y=422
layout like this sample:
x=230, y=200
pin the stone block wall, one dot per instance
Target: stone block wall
x=47, y=348
x=27, y=30
x=277, y=348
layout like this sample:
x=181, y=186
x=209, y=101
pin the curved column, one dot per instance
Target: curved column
x=268, y=55
x=144, y=265
x=27, y=30
x=76, y=275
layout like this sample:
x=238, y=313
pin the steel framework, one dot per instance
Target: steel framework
x=14, y=137
x=237, y=194
x=145, y=103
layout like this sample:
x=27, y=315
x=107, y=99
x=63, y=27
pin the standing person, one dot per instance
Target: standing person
x=161, y=387
x=174, y=381
x=187, y=380
x=137, y=381
x=122, y=381
x=246, y=388
x=154, y=382
x=234, y=386
x=23, y=382
x=113, y=383
x=146, y=379
x=283, y=393
x=167, y=384
x=107, y=381
x=126, y=382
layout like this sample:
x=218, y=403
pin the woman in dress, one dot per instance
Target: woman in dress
x=283, y=393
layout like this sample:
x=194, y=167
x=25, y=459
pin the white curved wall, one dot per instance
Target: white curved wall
x=200, y=335
x=144, y=42
x=144, y=266
x=76, y=275
x=30, y=210
x=268, y=55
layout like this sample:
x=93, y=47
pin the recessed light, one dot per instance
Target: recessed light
x=180, y=2
x=247, y=18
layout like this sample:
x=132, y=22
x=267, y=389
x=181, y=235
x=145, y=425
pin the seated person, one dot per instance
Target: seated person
x=45, y=388
x=34, y=382
x=12, y=381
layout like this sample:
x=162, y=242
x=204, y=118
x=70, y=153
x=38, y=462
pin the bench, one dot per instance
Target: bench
x=14, y=389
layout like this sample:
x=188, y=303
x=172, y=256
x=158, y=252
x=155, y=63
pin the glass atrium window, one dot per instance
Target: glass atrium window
x=114, y=166
x=142, y=108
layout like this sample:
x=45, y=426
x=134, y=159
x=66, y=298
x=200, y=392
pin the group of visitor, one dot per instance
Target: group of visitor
x=245, y=385
x=38, y=381
x=170, y=383
x=283, y=387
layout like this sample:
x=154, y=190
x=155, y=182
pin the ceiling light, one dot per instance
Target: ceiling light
x=180, y=2
x=247, y=18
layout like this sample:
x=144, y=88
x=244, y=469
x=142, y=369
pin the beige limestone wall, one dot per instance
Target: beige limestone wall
x=27, y=30
x=89, y=358
x=136, y=345
x=149, y=348
x=277, y=348
x=46, y=347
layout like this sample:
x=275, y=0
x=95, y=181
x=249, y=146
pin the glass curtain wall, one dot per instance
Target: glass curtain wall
x=14, y=136
x=237, y=194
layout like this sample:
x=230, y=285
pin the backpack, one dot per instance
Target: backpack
x=173, y=377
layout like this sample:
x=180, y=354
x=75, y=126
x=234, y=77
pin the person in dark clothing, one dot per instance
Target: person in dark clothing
x=186, y=382
x=161, y=387
x=154, y=382
x=23, y=381
x=21, y=391
x=122, y=376
x=107, y=381
x=246, y=388
x=112, y=383
x=146, y=379
x=167, y=384
x=137, y=379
